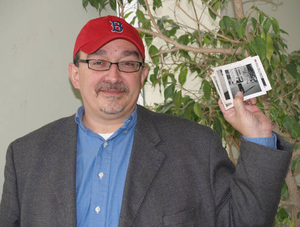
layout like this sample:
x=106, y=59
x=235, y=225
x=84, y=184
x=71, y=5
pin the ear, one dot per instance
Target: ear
x=73, y=73
x=144, y=75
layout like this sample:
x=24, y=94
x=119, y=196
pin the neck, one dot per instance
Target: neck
x=102, y=125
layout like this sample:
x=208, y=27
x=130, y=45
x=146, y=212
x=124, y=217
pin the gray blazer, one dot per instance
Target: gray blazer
x=178, y=175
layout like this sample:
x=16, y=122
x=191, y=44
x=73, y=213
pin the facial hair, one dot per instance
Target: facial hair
x=112, y=107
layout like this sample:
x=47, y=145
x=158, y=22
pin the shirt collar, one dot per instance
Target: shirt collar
x=127, y=123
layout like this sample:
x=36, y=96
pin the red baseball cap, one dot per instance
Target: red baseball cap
x=100, y=31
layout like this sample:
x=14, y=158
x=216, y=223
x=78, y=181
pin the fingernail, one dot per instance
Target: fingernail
x=240, y=94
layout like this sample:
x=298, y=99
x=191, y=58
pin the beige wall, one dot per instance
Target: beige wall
x=36, y=42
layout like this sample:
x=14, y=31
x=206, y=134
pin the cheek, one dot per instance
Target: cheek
x=89, y=81
x=87, y=88
x=134, y=85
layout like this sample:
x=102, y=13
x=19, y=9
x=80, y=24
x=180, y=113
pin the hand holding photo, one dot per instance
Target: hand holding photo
x=247, y=76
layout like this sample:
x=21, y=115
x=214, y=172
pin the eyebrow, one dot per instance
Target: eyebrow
x=124, y=53
x=98, y=52
x=130, y=53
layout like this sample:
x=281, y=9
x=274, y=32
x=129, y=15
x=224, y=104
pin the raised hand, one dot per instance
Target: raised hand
x=247, y=118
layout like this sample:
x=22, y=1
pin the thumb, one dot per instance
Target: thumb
x=239, y=103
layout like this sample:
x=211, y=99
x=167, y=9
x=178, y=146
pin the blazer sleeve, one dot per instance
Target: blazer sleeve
x=9, y=206
x=253, y=192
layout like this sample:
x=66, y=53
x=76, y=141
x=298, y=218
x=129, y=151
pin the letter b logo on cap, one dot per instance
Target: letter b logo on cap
x=116, y=26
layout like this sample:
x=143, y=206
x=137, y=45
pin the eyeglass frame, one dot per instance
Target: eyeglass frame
x=141, y=64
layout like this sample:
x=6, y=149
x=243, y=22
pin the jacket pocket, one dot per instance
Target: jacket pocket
x=181, y=219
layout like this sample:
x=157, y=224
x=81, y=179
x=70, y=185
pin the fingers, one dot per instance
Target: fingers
x=251, y=101
x=221, y=106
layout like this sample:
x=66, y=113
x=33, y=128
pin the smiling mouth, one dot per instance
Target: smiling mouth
x=112, y=91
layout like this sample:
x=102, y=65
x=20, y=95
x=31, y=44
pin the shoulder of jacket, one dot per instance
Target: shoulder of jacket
x=66, y=123
x=162, y=120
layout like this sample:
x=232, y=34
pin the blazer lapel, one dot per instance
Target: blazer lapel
x=144, y=164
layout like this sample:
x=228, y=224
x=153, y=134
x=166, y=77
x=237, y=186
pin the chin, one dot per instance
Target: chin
x=112, y=110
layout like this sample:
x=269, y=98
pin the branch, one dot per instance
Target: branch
x=152, y=18
x=287, y=93
x=193, y=49
x=198, y=25
x=211, y=9
x=122, y=8
x=294, y=195
x=209, y=30
x=285, y=203
x=295, y=154
x=239, y=10
x=231, y=156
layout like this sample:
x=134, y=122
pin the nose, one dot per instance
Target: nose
x=113, y=74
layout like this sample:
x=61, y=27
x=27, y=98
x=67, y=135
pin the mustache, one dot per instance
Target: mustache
x=112, y=86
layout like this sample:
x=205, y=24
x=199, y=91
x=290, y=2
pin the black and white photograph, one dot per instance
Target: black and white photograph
x=247, y=76
x=244, y=79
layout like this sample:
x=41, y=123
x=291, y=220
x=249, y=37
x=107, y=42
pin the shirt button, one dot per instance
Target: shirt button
x=97, y=209
x=101, y=175
x=105, y=144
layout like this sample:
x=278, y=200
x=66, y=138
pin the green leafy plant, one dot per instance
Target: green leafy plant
x=183, y=51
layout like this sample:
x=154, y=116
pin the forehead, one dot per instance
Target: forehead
x=119, y=47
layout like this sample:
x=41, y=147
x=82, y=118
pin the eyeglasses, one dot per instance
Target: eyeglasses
x=102, y=65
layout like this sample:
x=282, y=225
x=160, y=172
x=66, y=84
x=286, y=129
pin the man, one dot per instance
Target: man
x=117, y=164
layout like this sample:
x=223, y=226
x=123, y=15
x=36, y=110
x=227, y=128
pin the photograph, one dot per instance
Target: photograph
x=244, y=79
x=247, y=76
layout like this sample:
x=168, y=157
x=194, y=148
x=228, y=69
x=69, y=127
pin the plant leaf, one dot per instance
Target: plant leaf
x=178, y=101
x=169, y=91
x=240, y=27
x=267, y=24
x=94, y=3
x=259, y=46
x=254, y=23
x=140, y=16
x=291, y=125
x=217, y=126
x=198, y=109
x=152, y=51
x=215, y=7
x=85, y=3
x=156, y=4
x=292, y=69
x=225, y=23
x=206, y=89
x=275, y=26
x=261, y=18
x=182, y=75
x=269, y=45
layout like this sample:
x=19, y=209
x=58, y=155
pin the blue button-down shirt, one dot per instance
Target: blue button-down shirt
x=101, y=171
